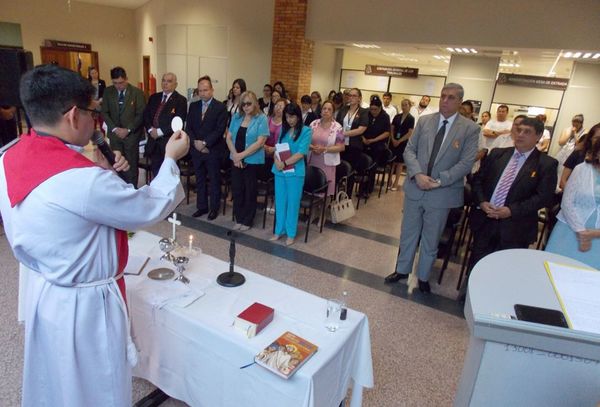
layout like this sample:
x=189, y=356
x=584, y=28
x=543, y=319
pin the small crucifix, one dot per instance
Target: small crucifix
x=175, y=223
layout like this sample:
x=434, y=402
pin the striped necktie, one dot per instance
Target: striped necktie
x=121, y=101
x=507, y=180
x=155, y=123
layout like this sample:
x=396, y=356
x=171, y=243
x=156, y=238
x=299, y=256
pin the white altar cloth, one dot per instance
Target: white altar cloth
x=194, y=353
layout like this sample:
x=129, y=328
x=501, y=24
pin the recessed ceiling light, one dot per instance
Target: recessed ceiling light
x=568, y=54
x=450, y=49
x=466, y=50
x=577, y=54
x=437, y=57
x=474, y=51
x=458, y=50
x=587, y=55
x=596, y=56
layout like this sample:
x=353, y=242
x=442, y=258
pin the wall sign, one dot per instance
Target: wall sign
x=67, y=45
x=392, y=71
x=530, y=81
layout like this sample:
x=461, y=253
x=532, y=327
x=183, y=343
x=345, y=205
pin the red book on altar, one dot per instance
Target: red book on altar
x=254, y=319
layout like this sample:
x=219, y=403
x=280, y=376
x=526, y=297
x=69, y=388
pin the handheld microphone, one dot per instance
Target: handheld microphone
x=98, y=140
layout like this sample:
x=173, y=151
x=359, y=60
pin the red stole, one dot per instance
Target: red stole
x=35, y=159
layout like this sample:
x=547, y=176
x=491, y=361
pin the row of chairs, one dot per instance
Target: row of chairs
x=457, y=237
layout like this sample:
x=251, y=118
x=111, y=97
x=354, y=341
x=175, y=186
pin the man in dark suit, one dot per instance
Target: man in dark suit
x=207, y=119
x=509, y=189
x=123, y=112
x=439, y=154
x=162, y=107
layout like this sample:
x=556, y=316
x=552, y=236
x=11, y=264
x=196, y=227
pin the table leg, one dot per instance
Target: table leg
x=156, y=398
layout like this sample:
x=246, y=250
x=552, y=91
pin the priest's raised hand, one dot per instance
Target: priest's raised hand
x=178, y=145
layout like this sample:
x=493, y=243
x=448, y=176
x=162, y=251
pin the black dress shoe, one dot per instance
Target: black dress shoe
x=212, y=215
x=200, y=212
x=395, y=277
x=424, y=286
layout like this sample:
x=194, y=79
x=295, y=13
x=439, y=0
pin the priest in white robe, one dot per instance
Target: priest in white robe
x=65, y=218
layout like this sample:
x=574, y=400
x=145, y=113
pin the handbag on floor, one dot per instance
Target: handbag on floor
x=342, y=208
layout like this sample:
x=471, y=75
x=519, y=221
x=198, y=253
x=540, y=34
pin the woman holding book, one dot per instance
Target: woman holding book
x=577, y=231
x=289, y=170
x=246, y=136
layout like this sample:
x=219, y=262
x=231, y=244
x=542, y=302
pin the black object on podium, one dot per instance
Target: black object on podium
x=231, y=278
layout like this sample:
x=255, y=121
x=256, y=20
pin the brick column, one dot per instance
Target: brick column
x=292, y=55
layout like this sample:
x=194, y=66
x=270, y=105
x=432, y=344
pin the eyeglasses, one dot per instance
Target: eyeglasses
x=244, y=104
x=94, y=113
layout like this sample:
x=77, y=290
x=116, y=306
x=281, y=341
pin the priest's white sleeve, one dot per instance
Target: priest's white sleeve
x=110, y=201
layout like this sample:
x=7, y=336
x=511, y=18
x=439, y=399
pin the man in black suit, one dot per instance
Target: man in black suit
x=509, y=189
x=206, y=123
x=162, y=107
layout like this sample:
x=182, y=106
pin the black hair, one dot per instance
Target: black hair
x=90, y=68
x=387, y=94
x=118, y=72
x=332, y=93
x=294, y=110
x=468, y=103
x=316, y=92
x=305, y=99
x=48, y=91
x=338, y=98
x=503, y=107
x=268, y=85
x=537, y=124
x=520, y=116
x=205, y=78
x=592, y=155
x=241, y=83
x=283, y=93
x=375, y=101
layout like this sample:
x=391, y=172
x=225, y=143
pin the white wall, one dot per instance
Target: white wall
x=325, y=69
x=248, y=26
x=110, y=30
x=582, y=96
x=477, y=75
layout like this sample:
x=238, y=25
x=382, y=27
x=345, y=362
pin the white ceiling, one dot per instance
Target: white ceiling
x=530, y=61
x=130, y=4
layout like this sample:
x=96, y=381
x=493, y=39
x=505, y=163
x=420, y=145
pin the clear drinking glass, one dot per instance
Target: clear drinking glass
x=332, y=319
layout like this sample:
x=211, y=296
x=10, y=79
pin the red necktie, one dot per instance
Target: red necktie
x=160, y=108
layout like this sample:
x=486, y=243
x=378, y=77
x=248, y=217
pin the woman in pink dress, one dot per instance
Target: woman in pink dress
x=326, y=145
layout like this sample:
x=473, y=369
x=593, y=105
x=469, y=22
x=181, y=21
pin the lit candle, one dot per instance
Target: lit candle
x=191, y=241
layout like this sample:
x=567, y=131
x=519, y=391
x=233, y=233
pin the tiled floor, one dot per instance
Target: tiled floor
x=418, y=341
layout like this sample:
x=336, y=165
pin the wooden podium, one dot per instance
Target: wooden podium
x=516, y=363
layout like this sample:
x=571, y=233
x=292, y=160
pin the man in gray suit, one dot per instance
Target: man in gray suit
x=439, y=154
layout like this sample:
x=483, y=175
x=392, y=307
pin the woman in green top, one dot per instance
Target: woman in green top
x=289, y=172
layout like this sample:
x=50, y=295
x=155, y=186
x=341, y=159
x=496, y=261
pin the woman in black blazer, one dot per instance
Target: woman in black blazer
x=99, y=84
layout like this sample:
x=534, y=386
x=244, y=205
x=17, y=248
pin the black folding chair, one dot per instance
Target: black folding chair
x=315, y=193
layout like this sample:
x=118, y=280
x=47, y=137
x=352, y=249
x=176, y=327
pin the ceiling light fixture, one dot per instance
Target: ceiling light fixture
x=596, y=56
x=458, y=50
x=450, y=49
x=568, y=54
x=577, y=54
x=466, y=50
x=474, y=51
x=587, y=55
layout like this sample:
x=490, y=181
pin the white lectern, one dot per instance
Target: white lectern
x=516, y=363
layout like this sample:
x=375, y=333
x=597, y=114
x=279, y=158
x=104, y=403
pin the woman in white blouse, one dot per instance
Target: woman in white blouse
x=577, y=232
